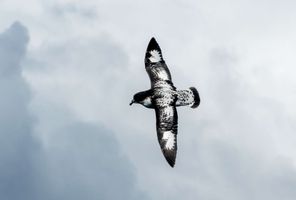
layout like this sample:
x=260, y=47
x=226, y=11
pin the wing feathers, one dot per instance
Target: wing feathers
x=153, y=52
x=155, y=65
x=167, y=128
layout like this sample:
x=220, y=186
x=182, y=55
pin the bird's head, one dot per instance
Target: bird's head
x=140, y=97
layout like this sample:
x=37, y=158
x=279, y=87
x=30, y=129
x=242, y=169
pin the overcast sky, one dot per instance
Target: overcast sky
x=68, y=70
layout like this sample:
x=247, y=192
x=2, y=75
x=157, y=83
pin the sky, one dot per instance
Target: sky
x=68, y=70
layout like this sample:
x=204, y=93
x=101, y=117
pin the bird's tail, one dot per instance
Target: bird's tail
x=196, y=98
x=189, y=97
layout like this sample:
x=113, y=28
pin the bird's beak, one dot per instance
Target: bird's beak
x=133, y=101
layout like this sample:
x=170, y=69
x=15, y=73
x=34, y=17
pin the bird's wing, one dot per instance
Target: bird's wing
x=155, y=65
x=167, y=128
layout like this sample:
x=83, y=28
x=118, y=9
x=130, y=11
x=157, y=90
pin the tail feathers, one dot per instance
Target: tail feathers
x=189, y=97
x=196, y=97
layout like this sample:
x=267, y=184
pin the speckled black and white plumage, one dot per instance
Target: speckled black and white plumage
x=164, y=98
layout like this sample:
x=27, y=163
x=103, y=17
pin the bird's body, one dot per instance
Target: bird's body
x=163, y=97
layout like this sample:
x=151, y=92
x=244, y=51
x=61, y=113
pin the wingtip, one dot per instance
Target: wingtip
x=172, y=165
x=170, y=157
x=153, y=45
x=153, y=52
x=171, y=162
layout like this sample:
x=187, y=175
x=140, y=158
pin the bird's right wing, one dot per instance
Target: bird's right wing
x=167, y=128
x=155, y=65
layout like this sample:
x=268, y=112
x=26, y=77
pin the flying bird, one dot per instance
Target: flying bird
x=163, y=97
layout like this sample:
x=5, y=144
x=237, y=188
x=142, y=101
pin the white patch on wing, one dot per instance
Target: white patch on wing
x=155, y=56
x=162, y=74
x=170, y=139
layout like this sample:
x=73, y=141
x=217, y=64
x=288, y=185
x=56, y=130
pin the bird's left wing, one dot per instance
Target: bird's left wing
x=155, y=65
x=167, y=128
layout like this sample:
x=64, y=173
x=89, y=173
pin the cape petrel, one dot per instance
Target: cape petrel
x=163, y=97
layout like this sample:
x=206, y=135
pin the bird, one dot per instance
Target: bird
x=164, y=97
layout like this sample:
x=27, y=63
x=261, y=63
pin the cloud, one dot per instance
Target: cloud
x=79, y=161
x=86, y=161
x=19, y=149
x=69, y=8
x=83, y=69
x=236, y=151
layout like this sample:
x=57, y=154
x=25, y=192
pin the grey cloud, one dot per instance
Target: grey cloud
x=19, y=149
x=71, y=8
x=85, y=161
x=78, y=161
x=13, y=46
